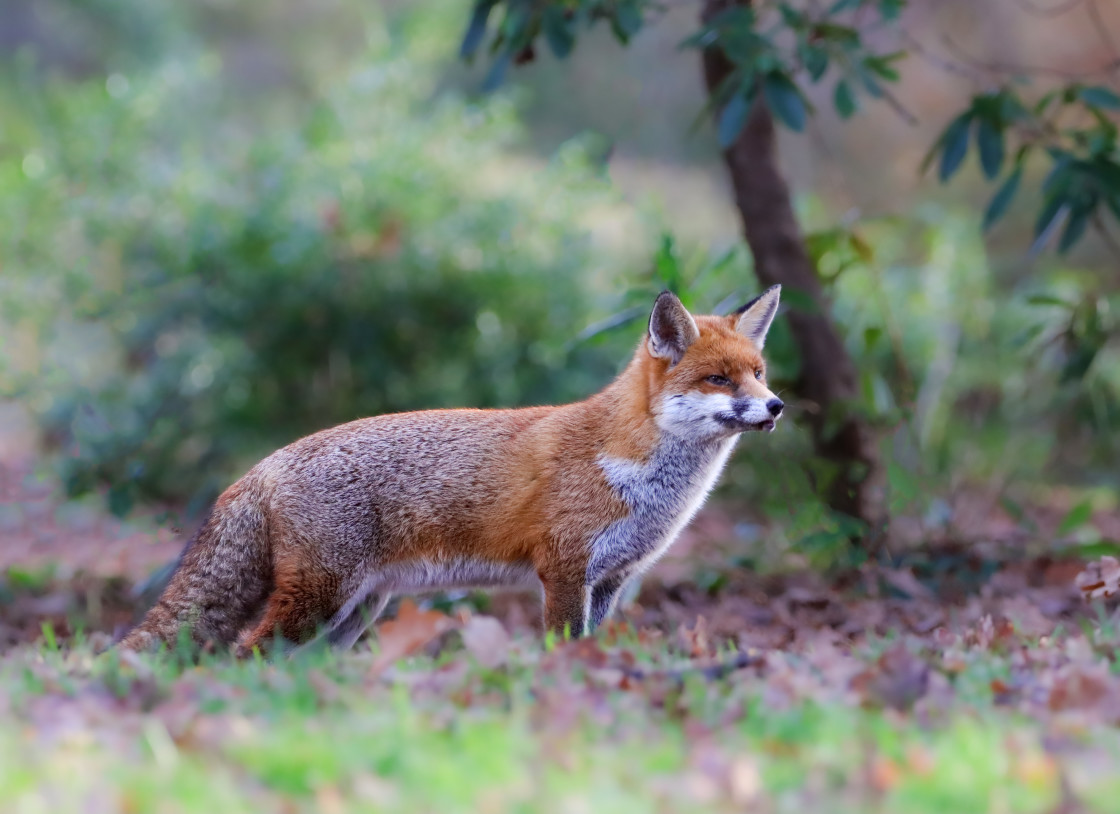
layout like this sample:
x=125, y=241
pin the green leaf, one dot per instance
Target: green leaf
x=954, y=145
x=891, y=9
x=1026, y=336
x=1059, y=176
x=626, y=22
x=497, y=73
x=701, y=39
x=785, y=100
x=1078, y=516
x=1052, y=210
x=1113, y=202
x=844, y=100
x=1106, y=171
x=843, y=5
x=476, y=28
x=1043, y=103
x=861, y=247
x=881, y=65
x=1017, y=513
x=557, y=31
x=1075, y=227
x=989, y=142
x=791, y=16
x=1099, y=96
x=843, y=36
x=120, y=500
x=816, y=61
x=734, y=17
x=1092, y=551
x=1009, y=108
x=1049, y=299
x=1079, y=361
x=869, y=83
x=733, y=117
x=1002, y=199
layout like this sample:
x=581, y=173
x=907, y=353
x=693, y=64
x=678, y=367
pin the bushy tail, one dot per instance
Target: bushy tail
x=223, y=577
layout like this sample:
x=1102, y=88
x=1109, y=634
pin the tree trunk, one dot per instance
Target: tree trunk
x=827, y=384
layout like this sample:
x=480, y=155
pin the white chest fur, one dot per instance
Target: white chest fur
x=663, y=493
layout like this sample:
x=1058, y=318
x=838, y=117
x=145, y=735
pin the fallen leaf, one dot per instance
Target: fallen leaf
x=408, y=633
x=897, y=679
x=903, y=580
x=996, y=634
x=1099, y=580
x=326, y=689
x=695, y=641
x=486, y=640
x=745, y=780
x=885, y=773
x=1078, y=689
x=586, y=649
x=1036, y=768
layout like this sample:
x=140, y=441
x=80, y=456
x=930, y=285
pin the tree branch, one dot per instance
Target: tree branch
x=1017, y=69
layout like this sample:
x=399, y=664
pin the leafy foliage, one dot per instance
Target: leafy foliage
x=231, y=290
x=1071, y=127
x=780, y=48
x=754, y=38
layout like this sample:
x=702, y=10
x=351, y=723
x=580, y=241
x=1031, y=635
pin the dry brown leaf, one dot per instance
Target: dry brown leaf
x=990, y=633
x=1078, y=688
x=408, y=633
x=586, y=649
x=897, y=679
x=695, y=641
x=903, y=579
x=884, y=773
x=486, y=640
x=1099, y=580
x=745, y=780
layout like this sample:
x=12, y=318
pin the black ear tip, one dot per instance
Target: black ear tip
x=777, y=287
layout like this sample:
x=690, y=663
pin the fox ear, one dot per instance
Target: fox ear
x=671, y=328
x=753, y=319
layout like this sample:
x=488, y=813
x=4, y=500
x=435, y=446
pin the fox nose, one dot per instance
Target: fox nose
x=775, y=407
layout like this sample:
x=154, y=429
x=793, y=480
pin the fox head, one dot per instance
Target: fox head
x=708, y=374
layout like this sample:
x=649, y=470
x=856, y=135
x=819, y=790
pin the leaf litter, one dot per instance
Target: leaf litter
x=1025, y=644
x=1033, y=641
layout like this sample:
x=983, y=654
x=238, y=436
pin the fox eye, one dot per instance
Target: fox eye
x=758, y=374
x=719, y=381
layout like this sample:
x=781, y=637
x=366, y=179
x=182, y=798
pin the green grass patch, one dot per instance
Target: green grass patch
x=544, y=732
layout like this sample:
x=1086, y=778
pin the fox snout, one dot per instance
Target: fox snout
x=753, y=414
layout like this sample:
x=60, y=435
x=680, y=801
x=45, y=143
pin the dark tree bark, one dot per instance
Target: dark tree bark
x=827, y=384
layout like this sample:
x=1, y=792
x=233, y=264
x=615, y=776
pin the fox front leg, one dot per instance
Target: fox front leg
x=604, y=597
x=566, y=603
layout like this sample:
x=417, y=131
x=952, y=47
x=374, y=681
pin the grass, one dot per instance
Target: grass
x=564, y=729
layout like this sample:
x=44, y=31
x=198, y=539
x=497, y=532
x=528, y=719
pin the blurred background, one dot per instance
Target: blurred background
x=227, y=224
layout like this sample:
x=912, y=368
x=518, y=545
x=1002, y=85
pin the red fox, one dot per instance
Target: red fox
x=575, y=499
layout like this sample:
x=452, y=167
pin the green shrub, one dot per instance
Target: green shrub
x=232, y=282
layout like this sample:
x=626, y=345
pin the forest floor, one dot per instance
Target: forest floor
x=973, y=679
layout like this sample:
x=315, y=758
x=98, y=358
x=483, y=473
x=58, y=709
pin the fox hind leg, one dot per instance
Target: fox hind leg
x=344, y=632
x=297, y=604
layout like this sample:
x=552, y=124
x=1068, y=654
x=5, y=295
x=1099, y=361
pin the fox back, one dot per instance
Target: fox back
x=574, y=500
